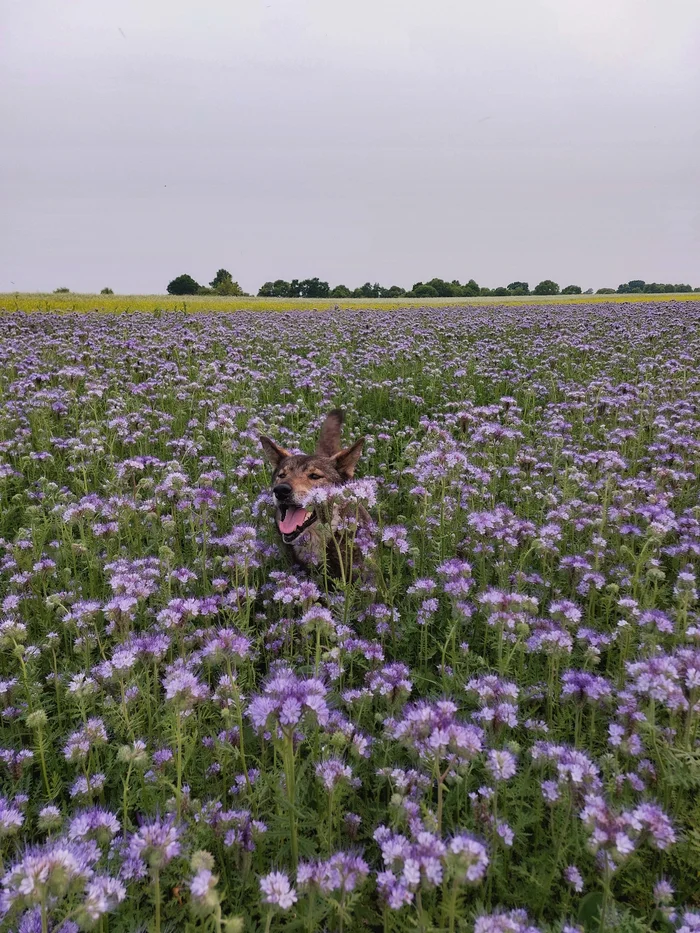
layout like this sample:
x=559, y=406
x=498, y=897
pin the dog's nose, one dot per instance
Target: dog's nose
x=282, y=490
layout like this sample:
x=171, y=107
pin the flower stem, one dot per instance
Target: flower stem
x=178, y=738
x=125, y=802
x=606, y=899
x=291, y=796
x=453, y=905
x=156, y=890
x=439, y=806
x=42, y=760
x=330, y=823
x=241, y=745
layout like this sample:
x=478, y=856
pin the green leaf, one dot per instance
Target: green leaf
x=589, y=911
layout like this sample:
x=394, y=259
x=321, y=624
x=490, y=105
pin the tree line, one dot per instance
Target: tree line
x=224, y=284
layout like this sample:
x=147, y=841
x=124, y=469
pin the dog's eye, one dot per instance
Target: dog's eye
x=281, y=475
x=315, y=476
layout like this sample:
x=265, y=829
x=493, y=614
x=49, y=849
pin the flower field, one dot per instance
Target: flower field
x=492, y=728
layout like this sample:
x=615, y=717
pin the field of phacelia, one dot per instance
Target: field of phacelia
x=494, y=728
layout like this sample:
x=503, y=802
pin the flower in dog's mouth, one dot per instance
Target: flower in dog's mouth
x=293, y=521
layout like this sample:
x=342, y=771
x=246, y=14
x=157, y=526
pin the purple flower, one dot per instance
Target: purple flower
x=277, y=890
x=202, y=883
x=52, y=868
x=690, y=922
x=240, y=829
x=182, y=687
x=286, y=700
x=582, y=686
x=96, y=824
x=469, y=858
x=102, y=895
x=317, y=618
x=396, y=536
x=573, y=877
x=501, y=764
x=226, y=644
x=342, y=872
x=408, y=864
x=333, y=772
x=92, y=735
x=663, y=891
x=433, y=732
x=87, y=787
x=457, y=577
x=511, y=921
x=11, y=818
x=392, y=681
x=651, y=819
x=574, y=768
x=156, y=842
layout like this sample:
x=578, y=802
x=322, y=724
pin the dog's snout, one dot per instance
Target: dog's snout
x=282, y=490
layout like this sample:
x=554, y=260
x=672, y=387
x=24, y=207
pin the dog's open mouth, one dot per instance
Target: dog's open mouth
x=293, y=521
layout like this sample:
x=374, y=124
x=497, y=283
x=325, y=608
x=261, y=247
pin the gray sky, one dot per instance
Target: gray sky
x=388, y=140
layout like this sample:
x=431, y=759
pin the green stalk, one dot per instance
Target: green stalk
x=125, y=798
x=291, y=796
x=178, y=739
x=156, y=888
x=453, y=905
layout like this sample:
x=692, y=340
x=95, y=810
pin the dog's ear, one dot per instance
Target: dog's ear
x=346, y=460
x=273, y=453
x=329, y=438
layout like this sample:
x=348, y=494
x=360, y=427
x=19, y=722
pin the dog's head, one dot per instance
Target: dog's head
x=294, y=476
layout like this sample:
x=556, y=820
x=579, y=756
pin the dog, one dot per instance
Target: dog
x=316, y=536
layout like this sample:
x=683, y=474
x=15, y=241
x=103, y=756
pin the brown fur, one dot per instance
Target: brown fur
x=295, y=475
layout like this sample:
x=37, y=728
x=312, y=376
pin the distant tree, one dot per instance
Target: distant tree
x=605, y=291
x=222, y=276
x=485, y=292
x=340, y=291
x=183, y=285
x=365, y=291
x=547, y=287
x=658, y=288
x=470, y=289
x=633, y=287
x=589, y=291
x=444, y=289
x=277, y=289
x=420, y=290
x=229, y=288
x=314, y=288
x=61, y=291
x=571, y=290
x=519, y=288
x=394, y=291
x=106, y=291
x=223, y=284
x=501, y=292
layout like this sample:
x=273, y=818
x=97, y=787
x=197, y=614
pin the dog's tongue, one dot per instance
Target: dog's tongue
x=294, y=519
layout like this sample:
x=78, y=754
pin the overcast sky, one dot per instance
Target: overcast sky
x=381, y=140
